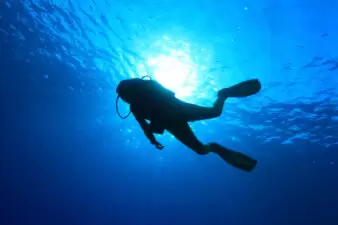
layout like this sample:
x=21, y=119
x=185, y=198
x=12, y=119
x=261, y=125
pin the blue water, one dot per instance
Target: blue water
x=67, y=158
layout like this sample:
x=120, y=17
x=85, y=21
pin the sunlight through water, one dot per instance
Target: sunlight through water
x=173, y=67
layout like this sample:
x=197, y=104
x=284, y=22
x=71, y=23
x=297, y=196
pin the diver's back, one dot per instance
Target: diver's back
x=152, y=92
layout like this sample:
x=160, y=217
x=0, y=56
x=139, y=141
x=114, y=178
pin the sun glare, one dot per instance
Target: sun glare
x=173, y=74
x=175, y=70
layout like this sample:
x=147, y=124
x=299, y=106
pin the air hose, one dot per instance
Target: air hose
x=117, y=101
x=117, y=109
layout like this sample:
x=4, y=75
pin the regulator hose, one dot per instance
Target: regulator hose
x=117, y=102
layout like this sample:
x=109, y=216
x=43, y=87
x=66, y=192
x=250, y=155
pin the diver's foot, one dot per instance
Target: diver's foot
x=234, y=158
x=242, y=89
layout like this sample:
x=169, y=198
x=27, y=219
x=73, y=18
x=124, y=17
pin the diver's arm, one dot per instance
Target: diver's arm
x=143, y=123
x=146, y=129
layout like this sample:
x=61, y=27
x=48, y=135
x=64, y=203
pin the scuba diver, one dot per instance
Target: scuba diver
x=150, y=101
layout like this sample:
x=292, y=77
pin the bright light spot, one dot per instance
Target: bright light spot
x=180, y=66
x=171, y=67
x=174, y=74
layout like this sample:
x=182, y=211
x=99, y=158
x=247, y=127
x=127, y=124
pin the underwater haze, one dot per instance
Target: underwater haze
x=67, y=158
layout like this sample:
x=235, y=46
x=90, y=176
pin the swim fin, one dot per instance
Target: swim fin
x=236, y=159
x=243, y=89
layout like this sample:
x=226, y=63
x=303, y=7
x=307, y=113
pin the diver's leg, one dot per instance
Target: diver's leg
x=194, y=112
x=182, y=132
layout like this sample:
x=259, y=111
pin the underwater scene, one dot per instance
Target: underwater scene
x=120, y=112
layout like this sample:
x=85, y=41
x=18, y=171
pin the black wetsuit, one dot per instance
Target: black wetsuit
x=151, y=101
x=166, y=112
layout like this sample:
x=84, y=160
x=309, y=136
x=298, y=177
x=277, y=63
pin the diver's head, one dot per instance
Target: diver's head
x=122, y=91
x=126, y=89
x=130, y=91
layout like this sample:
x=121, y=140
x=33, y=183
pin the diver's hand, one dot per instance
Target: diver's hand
x=159, y=146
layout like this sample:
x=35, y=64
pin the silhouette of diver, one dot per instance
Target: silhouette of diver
x=150, y=101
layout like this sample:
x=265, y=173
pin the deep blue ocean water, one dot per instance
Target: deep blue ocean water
x=66, y=157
